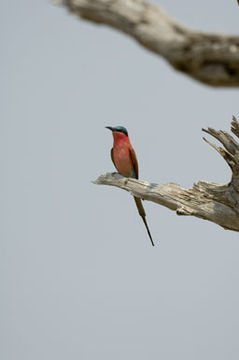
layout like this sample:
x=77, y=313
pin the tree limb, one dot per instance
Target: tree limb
x=209, y=201
x=212, y=59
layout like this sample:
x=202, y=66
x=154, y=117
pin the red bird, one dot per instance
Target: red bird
x=125, y=161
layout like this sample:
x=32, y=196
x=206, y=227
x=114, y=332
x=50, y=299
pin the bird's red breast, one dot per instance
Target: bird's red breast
x=122, y=154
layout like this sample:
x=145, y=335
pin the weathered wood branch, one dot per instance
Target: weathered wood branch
x=209, y=201
x=210, y=58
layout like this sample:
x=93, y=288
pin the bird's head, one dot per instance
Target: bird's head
x=118, y=130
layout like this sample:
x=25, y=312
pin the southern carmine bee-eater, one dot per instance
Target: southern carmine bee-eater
x=125, y=161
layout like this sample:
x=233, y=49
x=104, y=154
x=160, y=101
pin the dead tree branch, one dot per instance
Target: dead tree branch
x=209, y=201
x=212, y=59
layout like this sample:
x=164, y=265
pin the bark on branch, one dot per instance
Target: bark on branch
x=209, y=201
x=210, y=58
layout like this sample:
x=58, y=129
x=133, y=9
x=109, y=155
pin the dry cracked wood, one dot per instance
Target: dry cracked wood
x=210, y=201
x=210, y=58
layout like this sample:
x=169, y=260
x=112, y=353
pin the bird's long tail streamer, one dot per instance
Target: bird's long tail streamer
x=143, y=215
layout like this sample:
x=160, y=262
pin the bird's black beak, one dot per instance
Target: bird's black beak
x=109, y=127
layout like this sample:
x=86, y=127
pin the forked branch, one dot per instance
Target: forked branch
x=209, y=201
x=210, y=58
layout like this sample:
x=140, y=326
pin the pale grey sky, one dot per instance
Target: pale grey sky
x=79, y=278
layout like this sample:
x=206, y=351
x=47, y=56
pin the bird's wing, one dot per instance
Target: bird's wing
x=112, y=156
x=134, y=161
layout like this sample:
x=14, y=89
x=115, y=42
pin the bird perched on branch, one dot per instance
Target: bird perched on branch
x=125, y=161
